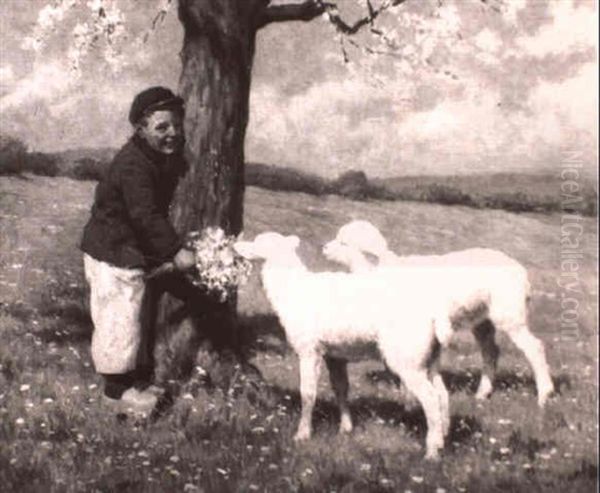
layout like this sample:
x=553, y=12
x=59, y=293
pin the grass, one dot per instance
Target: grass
x=56, y=435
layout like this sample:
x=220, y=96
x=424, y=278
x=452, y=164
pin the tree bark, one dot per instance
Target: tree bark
x=217, y=56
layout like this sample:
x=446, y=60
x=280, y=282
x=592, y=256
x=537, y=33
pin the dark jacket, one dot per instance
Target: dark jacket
x=129, y=226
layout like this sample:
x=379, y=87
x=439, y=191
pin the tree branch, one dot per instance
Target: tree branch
x=305, y=11
x=347, y=29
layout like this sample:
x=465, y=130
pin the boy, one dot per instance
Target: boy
x=128, y=234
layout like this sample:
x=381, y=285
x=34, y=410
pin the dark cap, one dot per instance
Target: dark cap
x=153, y=99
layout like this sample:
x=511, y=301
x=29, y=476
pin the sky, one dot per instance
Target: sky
x=509, y=91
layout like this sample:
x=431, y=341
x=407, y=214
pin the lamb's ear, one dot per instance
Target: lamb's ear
x=244, y=248
x=294, y=241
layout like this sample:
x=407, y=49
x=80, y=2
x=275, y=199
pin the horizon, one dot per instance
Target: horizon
x=589, y=172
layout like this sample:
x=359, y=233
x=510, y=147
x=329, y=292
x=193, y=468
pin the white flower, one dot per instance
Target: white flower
x=219, y=269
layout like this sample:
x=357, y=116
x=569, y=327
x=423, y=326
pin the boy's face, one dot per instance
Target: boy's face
x=163, y=131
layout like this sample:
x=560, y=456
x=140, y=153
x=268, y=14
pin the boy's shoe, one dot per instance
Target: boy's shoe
x=134, y=401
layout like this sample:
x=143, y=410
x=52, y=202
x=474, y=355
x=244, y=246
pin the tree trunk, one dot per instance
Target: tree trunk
x=217, y=55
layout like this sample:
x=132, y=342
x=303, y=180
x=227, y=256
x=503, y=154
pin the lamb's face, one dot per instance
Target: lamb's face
x=363, y=236
x=268, y=245
x=339, y=252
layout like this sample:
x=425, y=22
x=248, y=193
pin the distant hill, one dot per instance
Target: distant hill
x=516, y=192
x=69, y=158
x=99, y=154
x=544, y=183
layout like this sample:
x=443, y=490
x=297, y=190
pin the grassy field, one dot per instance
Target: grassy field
x=55, y=434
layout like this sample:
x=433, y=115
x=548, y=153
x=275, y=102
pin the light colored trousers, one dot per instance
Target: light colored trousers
x=116, y=298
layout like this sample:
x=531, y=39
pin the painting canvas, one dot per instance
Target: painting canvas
x=445, y=126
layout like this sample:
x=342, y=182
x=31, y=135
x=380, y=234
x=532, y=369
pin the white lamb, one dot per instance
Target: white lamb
x=339, y=317
x=484, y=290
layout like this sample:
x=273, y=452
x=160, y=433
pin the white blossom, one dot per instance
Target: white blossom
x=219, y=269
x=103, y=28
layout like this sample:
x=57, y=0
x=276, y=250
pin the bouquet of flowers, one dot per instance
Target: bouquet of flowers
x=219, y=268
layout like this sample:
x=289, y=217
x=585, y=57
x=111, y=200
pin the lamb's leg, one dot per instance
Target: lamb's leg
x=418, y=383
x=443, y=397
x=485, y=336
x=310, y=364
x=533, y=349
x=338, y=376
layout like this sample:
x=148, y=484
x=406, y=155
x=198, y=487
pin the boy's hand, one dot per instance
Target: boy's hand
x=184, y=259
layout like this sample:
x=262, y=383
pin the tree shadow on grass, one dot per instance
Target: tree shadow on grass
x=466, y=381
x=61, y=321
x=18, y=310
x=68, y=328
x=262, y=332
x=387, y=412
x=517, y=381
x=66, y=307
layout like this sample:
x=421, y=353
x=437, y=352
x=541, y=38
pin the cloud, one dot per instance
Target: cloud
x=573, y=28
x=7, y=78
x=7, y=74
x=569, y=106
x=487, y=40
x=48, y=82
x=339, y=125
x=321, y=129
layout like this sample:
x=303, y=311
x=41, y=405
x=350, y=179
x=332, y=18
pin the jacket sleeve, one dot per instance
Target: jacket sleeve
x=159, y=240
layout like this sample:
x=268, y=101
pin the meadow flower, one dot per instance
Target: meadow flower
x=20, y=421
x=24, y=388
x=219, y=268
